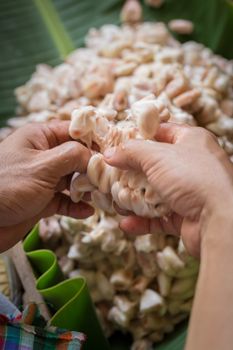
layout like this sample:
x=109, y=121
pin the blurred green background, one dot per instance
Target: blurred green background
x=35, y=31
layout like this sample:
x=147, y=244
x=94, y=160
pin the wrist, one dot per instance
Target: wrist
x=214, y=287
x=217, y=227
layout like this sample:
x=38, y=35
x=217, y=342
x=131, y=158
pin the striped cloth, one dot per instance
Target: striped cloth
x=29, y=331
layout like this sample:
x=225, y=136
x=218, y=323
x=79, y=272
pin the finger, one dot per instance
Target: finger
x=137, y=225
x=62, y=204
x=171, y=225
x=42, y=135
x=66, y=158
x=64, y=183
x=191, y=237
x=134, y=154
x=171, y=132
x=13, y=234
x=56, y=132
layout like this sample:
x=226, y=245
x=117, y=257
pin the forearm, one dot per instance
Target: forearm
x=211, y=325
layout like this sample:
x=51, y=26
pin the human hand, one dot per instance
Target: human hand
x=37, y=162
x=190, y=172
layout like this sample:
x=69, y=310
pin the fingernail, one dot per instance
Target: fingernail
x=109, y=152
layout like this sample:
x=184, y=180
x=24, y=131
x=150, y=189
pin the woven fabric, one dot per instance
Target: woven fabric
x=29, y=331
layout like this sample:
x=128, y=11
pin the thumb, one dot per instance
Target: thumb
x=67, y=158
x=171, y=132
x=134, y=154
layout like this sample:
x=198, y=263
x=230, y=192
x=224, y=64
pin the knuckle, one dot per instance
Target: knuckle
x=29, y=129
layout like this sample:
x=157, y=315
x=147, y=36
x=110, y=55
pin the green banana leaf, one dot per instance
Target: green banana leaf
x=68, y=300
x=35, y=31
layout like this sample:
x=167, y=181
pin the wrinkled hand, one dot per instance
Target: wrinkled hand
x=190, y=172
x=37, y=162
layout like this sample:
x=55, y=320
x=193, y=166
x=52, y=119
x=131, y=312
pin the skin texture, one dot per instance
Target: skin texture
x=188, y=178
x=37, y=162
x=192, y=173
x=188, y=169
